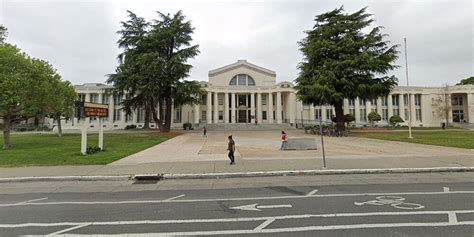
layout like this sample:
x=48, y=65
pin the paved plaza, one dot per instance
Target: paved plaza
x=264, y=145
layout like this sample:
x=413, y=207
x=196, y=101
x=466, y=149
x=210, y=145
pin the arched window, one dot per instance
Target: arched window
x=242, y=80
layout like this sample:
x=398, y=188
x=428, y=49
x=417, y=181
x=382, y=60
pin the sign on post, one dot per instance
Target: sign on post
x=86, y=110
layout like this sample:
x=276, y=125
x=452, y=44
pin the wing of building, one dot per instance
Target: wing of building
x=246, y=93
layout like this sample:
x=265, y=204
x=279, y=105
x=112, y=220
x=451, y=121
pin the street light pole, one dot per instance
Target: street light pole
x=409, y=96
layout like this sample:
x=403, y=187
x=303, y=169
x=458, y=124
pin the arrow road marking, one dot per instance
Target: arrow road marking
x=255, y=207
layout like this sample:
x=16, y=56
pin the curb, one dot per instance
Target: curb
x=235, y=175
x=299, y=172
x=67, y=178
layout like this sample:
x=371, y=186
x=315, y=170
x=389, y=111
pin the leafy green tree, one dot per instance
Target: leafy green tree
x=467, y=81
x=395, y=119
x=374, y=117
x=3, y=34
x=154, y=65
x=61, y=101
x=344, y=59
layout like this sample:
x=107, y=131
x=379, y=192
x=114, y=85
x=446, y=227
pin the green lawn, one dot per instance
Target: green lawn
x=49, y=150
x=451, y=138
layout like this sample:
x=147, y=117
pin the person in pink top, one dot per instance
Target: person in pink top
x=283, y=140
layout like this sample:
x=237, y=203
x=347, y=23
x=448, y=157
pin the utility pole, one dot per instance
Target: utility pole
x=409, y=96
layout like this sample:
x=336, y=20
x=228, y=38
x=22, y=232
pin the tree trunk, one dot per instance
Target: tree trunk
x=166, y=127
x=340, y=123
x=158, y=119
x=6, y=133
x=60, y=130
x=36, y=121
x=146, y=125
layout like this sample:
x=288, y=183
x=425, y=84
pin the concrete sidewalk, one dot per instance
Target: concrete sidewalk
x=243, y=165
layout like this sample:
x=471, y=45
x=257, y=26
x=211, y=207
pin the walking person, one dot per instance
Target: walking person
x=204, y=132
x=283, y=140
x=231, y=149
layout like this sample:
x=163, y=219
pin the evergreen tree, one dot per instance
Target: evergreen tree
x=342, y=61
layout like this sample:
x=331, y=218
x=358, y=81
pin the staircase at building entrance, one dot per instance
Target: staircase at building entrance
x=246, y=126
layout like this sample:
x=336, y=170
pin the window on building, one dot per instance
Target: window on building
x=93, y=98
x=264, y=115
x=317, y=114
x=363, y=115
x=117, y=115
x=328, y=114
x=405, y=99
x=352, y=112
x=351, y=102
x=362, y=102
x=457, y=100
x=221, y=99
x=396, y=112
x=129, y=118
x=264, y=99
x=385, y=114
x=418, y=100
x=242, y=80
x=117, y=99
x=204, y=100
x=458, y=116
x=105, y=99
x=221, y=115
x=418, y=114
x=395, y=100
x=141, y=115
x=406, y=114
x=203, y=115
x=373, y=102
x=82, y=97
x=177, y=115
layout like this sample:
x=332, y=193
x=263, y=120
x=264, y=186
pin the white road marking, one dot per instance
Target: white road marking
x=32, y=200
x=229, y=199
x=68, y=229
x=312, y=192
x=446, y=189
x=394, y=201
x=173, y=198
x=264, y=224
x=452, y=218
x=254, y=207
x=238, y=219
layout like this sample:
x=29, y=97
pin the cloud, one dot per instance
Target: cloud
x=79, y=39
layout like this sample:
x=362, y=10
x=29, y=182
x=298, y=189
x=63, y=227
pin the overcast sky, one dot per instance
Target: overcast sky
x=79, y=37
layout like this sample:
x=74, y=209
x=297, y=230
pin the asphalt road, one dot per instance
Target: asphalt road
x=419, y=207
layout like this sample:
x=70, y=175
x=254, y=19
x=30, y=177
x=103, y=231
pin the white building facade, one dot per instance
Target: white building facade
x=246, y=93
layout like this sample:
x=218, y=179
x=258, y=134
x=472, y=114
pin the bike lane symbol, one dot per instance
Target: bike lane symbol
x=394, y=201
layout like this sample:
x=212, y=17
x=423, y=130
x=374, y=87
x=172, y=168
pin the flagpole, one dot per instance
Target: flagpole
x=409, y=96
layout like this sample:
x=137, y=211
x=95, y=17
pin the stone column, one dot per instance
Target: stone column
x=412, y=110
x=346, y=106
x=209, y=107
x=357, y=110
x=259, y=108
x=172, y=113
x=278, y=107
x=216, y=107
x=389, y=106
x=226, y=107
x=368, y=108
x=232, y=101
x=100, y=98
x=379, y=106
x=111, y=108
x=292, y=105
x=197, y=113
x=323, y=110
x=252, y=107
x=270, y=108
x=401, y=106
x=311, y=113
x=470, y=107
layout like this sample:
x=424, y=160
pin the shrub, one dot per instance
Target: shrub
x=395, y=119
x=374, y=117
x=93, y=149
x=187, y=126
x=131, y=126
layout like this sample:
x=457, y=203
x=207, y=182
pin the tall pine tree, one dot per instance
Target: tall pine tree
x=342, y=61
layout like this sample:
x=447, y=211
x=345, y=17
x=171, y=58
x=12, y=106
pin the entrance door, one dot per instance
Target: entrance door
x=242, y=116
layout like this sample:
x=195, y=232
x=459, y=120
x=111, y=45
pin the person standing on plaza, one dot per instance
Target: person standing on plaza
x=231, y=149
x=283, y=140
x=204, y=132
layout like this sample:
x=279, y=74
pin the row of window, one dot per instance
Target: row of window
x=241, y=100
x=384, y=115
x=395, y=100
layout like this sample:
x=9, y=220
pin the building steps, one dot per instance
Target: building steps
x=245, y=126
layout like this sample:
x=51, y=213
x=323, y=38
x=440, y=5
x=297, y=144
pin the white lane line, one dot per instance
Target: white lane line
x=264, y=224
x=312, y=192
x=68, y=229
x=298, y=229
x=232, y=199
x=173, y=198
x=238, y=219
x=446, y=189
x=32, y=200
x=452, y=218
x=274, y=206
